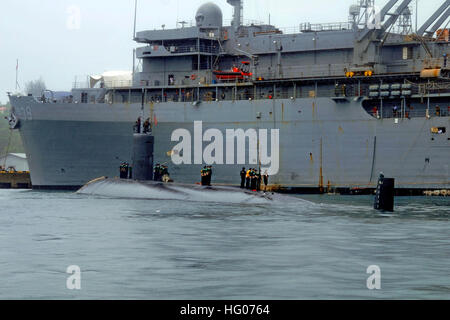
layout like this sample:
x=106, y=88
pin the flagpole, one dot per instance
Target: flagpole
x=417, y=14
x=17, y=74
x=135, y=18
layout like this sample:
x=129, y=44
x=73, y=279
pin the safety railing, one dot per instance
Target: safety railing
x=80, y=85
x=388, y=113
x=308, y=71
x=104, y=84
x=319, y=27
x=215, y=49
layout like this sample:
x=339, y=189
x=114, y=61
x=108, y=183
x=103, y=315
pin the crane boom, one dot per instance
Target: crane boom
x=433, y=18
x=439, y=23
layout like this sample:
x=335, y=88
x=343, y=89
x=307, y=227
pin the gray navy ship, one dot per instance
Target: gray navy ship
x=336, y=104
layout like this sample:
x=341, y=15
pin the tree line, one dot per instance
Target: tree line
x=7, y=136
x=10, y=140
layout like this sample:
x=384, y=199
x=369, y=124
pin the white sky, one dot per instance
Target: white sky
x=38, y=33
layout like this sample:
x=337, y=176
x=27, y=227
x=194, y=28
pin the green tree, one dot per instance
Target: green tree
x=35, y=87
x=8, y=136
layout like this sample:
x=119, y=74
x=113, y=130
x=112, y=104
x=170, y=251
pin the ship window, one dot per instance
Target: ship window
x=407, y=53
x=84, y=97
x=171, y=80
x=204, y=63
x=438, y=130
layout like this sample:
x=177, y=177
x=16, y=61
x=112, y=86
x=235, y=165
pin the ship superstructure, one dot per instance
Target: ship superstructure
x=349, y=100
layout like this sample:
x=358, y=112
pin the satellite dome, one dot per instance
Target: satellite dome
x=209, y=15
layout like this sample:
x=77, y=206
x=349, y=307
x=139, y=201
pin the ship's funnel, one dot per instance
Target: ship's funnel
x=238, y=15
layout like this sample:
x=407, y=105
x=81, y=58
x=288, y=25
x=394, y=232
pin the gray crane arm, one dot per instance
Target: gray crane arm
x=439, y=23
x=386, y=8
x=393, y=18
x=433, y=18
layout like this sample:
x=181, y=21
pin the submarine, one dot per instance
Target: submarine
x=155, y=190
x=142, y=184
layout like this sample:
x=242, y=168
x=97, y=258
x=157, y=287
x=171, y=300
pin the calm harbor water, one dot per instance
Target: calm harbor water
x=317, y=248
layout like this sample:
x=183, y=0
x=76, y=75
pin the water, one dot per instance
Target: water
x=315, y=248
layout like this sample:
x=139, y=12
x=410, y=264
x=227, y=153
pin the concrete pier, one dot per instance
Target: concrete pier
x=15, y=180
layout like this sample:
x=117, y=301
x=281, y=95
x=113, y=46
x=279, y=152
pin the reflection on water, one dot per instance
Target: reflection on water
x=313, y=247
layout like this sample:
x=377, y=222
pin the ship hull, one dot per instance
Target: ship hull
x=323, y=143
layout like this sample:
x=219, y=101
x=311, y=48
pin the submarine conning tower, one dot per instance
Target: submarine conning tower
x=143, y=147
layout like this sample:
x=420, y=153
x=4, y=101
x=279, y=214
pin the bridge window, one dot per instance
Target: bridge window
x=84, y=97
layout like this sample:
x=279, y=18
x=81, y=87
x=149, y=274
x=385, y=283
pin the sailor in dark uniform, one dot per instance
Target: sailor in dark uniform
x=243, y=174
x=203, y=175
x=210, y=173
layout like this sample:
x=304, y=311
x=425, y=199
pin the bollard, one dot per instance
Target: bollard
x=384, y=199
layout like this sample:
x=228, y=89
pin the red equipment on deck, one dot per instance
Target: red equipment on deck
x=235, y=73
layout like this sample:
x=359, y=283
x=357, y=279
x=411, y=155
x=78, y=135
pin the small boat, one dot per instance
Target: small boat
x=235, y=73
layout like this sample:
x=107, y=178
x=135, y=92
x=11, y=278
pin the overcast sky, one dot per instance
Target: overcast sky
x=51, y=42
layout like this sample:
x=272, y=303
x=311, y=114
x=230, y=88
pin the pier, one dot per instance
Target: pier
x=15, y=180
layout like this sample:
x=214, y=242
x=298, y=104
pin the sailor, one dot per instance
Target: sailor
x=344, y=90
x=375, y=111
x=123, y=171
x=438, y=111
x=157, y=173
x=126, y=168
x=160, y=172
x=208, y=175
x=336, y=90
x=394, y=111
x=203, y=175
x=258, y=180
x=137, y=126
x=147, y=126
x=247, y=179
x=130, y=173
x=243, y=174
x=266, y=179
x=165, y=170
x=253, y=179
x=165, y=176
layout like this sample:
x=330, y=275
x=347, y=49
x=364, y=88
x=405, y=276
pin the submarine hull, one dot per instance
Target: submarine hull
x=153, y=190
